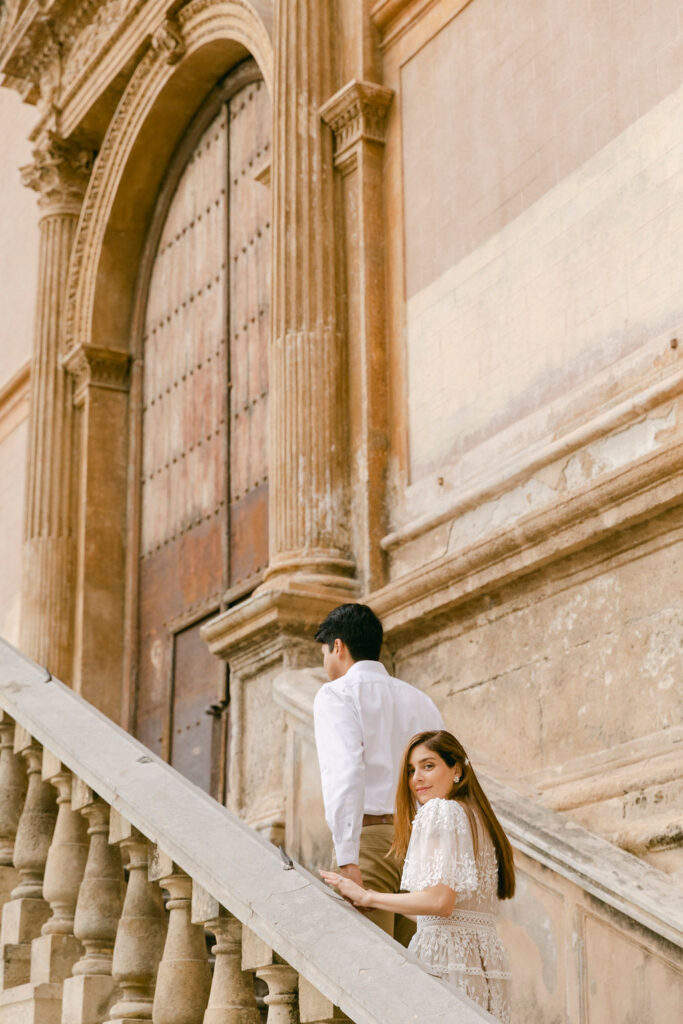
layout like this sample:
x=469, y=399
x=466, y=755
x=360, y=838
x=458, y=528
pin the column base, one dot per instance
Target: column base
x=22, y=920
x=31, y=1004
x=86, y=998
x=52, y=958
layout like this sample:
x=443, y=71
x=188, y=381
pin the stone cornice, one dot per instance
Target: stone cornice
x=598, y=511
x=357, y=113
x=14, y=395
x=46, y=46
x=91, y=366
x=59, y=174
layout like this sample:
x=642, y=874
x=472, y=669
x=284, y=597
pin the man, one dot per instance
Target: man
x=363, y=720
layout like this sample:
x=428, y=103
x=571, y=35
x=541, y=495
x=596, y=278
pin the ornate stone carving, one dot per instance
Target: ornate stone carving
x=357, y=112
x=92, y=366
x=59, y=174
x=168, y=41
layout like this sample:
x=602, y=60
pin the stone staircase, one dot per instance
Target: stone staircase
x=95, y=829
x=595, y=934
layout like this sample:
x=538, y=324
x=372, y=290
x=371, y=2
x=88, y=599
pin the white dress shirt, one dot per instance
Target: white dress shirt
x=363, y=721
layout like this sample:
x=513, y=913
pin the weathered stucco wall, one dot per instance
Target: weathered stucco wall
x=18, y=279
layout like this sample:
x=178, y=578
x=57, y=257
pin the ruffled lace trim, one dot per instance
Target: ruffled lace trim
x=440, y=850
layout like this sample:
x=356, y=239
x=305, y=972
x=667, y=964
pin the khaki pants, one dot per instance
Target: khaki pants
x=383, y=874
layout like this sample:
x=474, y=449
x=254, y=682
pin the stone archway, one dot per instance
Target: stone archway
x=186, y=59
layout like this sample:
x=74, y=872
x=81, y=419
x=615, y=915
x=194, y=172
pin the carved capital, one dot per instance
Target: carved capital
x=357, y=113
x=91, y=366
x=59, y=174
x=168, y=41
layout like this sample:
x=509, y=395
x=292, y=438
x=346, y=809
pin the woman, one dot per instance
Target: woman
x=458, y=864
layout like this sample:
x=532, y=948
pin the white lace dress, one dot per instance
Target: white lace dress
x=464, y=947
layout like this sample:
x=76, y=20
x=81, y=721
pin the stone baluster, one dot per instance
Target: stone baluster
x=12, y=795
x=88, y=994
x=26, y=912
x=281, y=979
x=315, y=1008
x=55, y=952
x=141, y=932
x=59, y=173
x=231, y=1000
x=308, y=508
x=184, y=978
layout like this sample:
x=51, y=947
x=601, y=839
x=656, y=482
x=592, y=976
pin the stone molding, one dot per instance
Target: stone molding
x=59, y=174
x=591, y=514
x=14, y=397
x=92, y=366
x=357, y=113
x=200, y=22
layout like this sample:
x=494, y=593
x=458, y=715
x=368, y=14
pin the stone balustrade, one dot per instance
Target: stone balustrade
x=95, y=829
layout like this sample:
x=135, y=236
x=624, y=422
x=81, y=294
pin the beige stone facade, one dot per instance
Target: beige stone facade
x=339, y=300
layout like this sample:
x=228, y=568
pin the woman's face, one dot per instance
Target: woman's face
x=428, y=774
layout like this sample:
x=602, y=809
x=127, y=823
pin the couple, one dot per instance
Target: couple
x=452, y=856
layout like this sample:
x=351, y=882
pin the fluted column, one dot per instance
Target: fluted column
x=141, y=932
x=308, y=471
x=59, y=174
x=56, y=951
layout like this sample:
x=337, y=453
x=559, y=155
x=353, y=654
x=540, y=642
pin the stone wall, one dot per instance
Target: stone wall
x=18, y=279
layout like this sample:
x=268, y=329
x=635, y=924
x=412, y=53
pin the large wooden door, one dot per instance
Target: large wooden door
x=204, y=480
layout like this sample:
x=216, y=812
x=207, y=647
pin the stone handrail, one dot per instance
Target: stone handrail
x=82, y=946
x=597, y=867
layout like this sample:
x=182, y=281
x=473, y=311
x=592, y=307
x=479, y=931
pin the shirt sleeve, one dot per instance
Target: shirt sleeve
x=339, y=741
x=440, y=851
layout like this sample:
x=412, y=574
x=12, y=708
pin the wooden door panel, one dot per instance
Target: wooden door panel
x=197, y=674
x=204, y=503
x=248, y=317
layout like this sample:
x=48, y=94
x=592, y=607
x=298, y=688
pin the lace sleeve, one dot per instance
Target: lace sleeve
x=440, y=851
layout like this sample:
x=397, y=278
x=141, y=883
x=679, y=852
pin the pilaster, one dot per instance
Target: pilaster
x=357, y=115
x=100, y=381
x=59, y=173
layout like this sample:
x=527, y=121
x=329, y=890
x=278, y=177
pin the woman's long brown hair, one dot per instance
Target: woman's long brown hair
x=468, y=791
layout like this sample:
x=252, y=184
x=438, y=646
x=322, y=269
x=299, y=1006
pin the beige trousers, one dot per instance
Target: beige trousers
x=383, y=874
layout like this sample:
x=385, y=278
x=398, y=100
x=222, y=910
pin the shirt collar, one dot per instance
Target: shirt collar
x=367, y=666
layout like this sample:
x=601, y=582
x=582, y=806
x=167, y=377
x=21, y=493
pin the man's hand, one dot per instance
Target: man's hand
x=351, y=871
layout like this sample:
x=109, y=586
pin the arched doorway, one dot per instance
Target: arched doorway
x=203, y=475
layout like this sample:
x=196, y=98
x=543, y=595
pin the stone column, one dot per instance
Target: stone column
x=141, y=932
x=100, y=397
x=231, y=1000
x=57, y=949
x=281, y=979
x=309, y=541
x=59, y=173
x=12, y=794
x=184, y=978
x=27, y=911
x=88, y=994
x=357, y=115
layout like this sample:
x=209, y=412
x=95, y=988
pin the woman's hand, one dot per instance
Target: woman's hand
x=356, y=894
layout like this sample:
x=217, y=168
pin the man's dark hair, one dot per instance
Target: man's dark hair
x=358, y=627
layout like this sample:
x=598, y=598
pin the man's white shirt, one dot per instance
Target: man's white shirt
x=363, y=722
